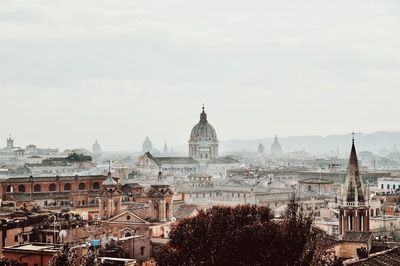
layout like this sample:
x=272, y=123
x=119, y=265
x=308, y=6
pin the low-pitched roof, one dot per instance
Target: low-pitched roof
x=356, y=236
x=175, y=160
x=387, y=257
x=316, y=181
x=223, y=159
x=184, y=211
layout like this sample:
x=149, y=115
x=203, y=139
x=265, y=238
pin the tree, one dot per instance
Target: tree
x=90, y=259
x=245, y=235
x=64, y=257
x=9, y=262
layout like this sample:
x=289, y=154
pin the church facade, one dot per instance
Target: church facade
x=203, y=156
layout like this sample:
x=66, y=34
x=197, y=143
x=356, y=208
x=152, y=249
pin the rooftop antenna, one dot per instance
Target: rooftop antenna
x=109, y=166
x=352, y=138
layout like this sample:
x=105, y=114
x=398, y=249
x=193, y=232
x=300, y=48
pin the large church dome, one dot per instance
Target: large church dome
x=203, y=130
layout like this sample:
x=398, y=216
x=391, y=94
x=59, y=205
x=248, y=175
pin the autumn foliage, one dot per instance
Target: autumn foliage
x=246, y=235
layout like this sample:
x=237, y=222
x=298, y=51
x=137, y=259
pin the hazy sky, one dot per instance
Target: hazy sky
x=75, y=71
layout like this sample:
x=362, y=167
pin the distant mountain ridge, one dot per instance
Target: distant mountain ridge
x=381, y=143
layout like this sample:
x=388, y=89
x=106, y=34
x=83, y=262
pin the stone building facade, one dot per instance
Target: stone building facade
x=51, y=190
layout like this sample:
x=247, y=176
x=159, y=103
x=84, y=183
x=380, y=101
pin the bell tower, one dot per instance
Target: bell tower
x=10, y=142
x=110, y=198
x=353, y=207
x=160, y=201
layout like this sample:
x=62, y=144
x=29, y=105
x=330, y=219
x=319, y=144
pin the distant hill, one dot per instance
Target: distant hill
x=381, y=143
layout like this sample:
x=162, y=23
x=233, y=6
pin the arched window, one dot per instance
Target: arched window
x=21, y=188
x=96, y=185
x=81, y=186
x=37, y=188
x=67, y=186
x=52, y=187
x=309, y=188
x=128, y=234
x=10, y=188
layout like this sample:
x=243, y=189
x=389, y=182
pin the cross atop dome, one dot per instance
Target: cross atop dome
x=203, y=115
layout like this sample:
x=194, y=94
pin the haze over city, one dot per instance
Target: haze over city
x=170, y=133
x=118, y=71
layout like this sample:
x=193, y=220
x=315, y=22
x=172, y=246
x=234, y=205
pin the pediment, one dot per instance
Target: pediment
x=128, y=217
x=155, y=192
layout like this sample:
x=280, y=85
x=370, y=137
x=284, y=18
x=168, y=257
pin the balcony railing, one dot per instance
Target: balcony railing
x=356, y=204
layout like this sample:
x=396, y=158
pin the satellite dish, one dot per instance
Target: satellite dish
x=62, y=234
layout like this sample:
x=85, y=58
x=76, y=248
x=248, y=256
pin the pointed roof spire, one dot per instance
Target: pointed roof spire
x=353, y=183
x=109, y=181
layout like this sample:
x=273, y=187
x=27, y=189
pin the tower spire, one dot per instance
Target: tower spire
x=353, y=211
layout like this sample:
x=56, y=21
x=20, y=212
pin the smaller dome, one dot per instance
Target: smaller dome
x=109, y=181
x=147, y=145
x=276, y=148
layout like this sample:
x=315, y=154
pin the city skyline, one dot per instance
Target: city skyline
x=121, y=71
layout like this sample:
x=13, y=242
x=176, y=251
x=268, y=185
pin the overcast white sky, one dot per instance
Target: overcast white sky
x=75, y=71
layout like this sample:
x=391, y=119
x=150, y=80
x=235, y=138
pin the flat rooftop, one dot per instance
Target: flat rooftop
x=33, y=247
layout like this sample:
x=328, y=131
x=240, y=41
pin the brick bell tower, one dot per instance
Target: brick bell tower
x=353, y=207
x=110, y=198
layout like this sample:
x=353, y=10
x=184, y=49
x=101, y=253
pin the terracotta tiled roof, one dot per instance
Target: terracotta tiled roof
x=140, y=209
x=388, y=257
x=355, y=236
x=184, y=211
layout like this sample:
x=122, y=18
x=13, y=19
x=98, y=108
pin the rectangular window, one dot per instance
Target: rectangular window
x=381, y=186
x=16, y=238
x=394, y=186
x=388, y=186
